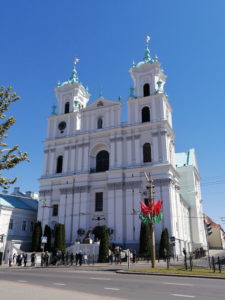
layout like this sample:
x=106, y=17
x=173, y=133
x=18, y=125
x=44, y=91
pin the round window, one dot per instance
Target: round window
x=62, y=125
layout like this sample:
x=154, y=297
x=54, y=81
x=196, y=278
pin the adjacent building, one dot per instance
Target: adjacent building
x=17, y=216
x=216, y=237
x=94, y=163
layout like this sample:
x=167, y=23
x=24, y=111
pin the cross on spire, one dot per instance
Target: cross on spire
x=147, y=57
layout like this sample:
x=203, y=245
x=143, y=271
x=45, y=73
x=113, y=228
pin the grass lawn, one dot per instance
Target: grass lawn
x=180, y=270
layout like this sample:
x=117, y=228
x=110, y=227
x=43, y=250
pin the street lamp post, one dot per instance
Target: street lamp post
x=150, y=188
x=150, y=214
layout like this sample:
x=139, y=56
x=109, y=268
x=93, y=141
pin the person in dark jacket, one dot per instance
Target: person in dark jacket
x=25, y=259
x=71, y=258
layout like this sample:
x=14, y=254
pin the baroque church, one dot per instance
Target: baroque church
x=95, y=164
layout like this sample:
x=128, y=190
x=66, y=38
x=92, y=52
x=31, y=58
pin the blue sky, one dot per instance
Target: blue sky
x=39, y=40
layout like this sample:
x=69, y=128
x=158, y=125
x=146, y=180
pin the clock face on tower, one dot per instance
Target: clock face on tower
x=62, y=126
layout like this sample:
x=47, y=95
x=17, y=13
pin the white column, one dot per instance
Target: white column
x=52, y=162
x=164, y=146
x=129, y=152
x=155, y=148
x=119, y=216
x=162, y=109
x=76, y=211
x=153, y=116
x=137, y=150
x=136, y=112
x=106, y=123
x=72, y=159
x=137, y=223
x=119, y=152
x=79, y=158
x=45, y=168
x=111, y=209
x=83, y=209
x=62, y=207
x=112, y=153
x=128, y=216
x=68, y=129
x=68, y=210
x=65, y=160
x=55, y=128
x=167, y=211
x=93, y=125
x=85, y=158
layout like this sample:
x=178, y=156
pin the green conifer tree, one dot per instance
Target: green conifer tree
x=164, y=243
x=145, y=242
x=104, y=245
x=36, y=237
x=60, y=243
x=9, y=157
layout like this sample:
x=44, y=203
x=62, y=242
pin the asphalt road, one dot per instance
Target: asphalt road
x=78, y=283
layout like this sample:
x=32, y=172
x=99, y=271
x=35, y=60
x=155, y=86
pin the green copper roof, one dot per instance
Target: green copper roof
x=74, y=76
x=147, y=57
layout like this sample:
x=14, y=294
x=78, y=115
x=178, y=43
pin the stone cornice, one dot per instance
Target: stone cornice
x=112, y=131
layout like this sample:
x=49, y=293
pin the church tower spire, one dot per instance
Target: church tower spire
x=74, y=76
x=72, y=96
x=147, y=57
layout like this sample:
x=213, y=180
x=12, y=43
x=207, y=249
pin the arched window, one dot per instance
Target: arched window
x=146, y=90
x=59, y=165
x=99, y=125
x=102, y=161
x=145, y=114
x=67, y=107
x=147, y=155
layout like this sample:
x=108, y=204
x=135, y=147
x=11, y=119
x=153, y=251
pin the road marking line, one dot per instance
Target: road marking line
x=186, y=296
x=113, y=289
x=100, y=278
x=58, y=283
x=176, y=283
x=22, y=280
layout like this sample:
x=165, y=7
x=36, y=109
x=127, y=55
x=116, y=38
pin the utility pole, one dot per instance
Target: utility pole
x=151, y=191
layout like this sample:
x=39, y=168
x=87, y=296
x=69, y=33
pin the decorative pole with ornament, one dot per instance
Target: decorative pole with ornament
x=151, y=213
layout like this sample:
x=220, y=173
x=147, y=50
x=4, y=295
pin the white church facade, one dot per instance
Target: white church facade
x=94, y=163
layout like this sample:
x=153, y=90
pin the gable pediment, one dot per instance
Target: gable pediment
x=101, y=103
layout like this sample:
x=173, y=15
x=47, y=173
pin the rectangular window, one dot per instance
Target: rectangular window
x=55, y=210
x=11, y=224
x=24, y=225
x=99, y=201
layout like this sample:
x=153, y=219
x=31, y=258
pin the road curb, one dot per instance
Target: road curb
x=171, y=275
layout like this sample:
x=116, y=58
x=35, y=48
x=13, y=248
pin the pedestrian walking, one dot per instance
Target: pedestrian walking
x=80, y=258
x=77, y=258
x=46, y=256
x=25, y=259
x=10, y=260
x=71, y=258
x=33, y=258
x=42, y=259
x=19, y=260
x=14, y=257
x=134, y=256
